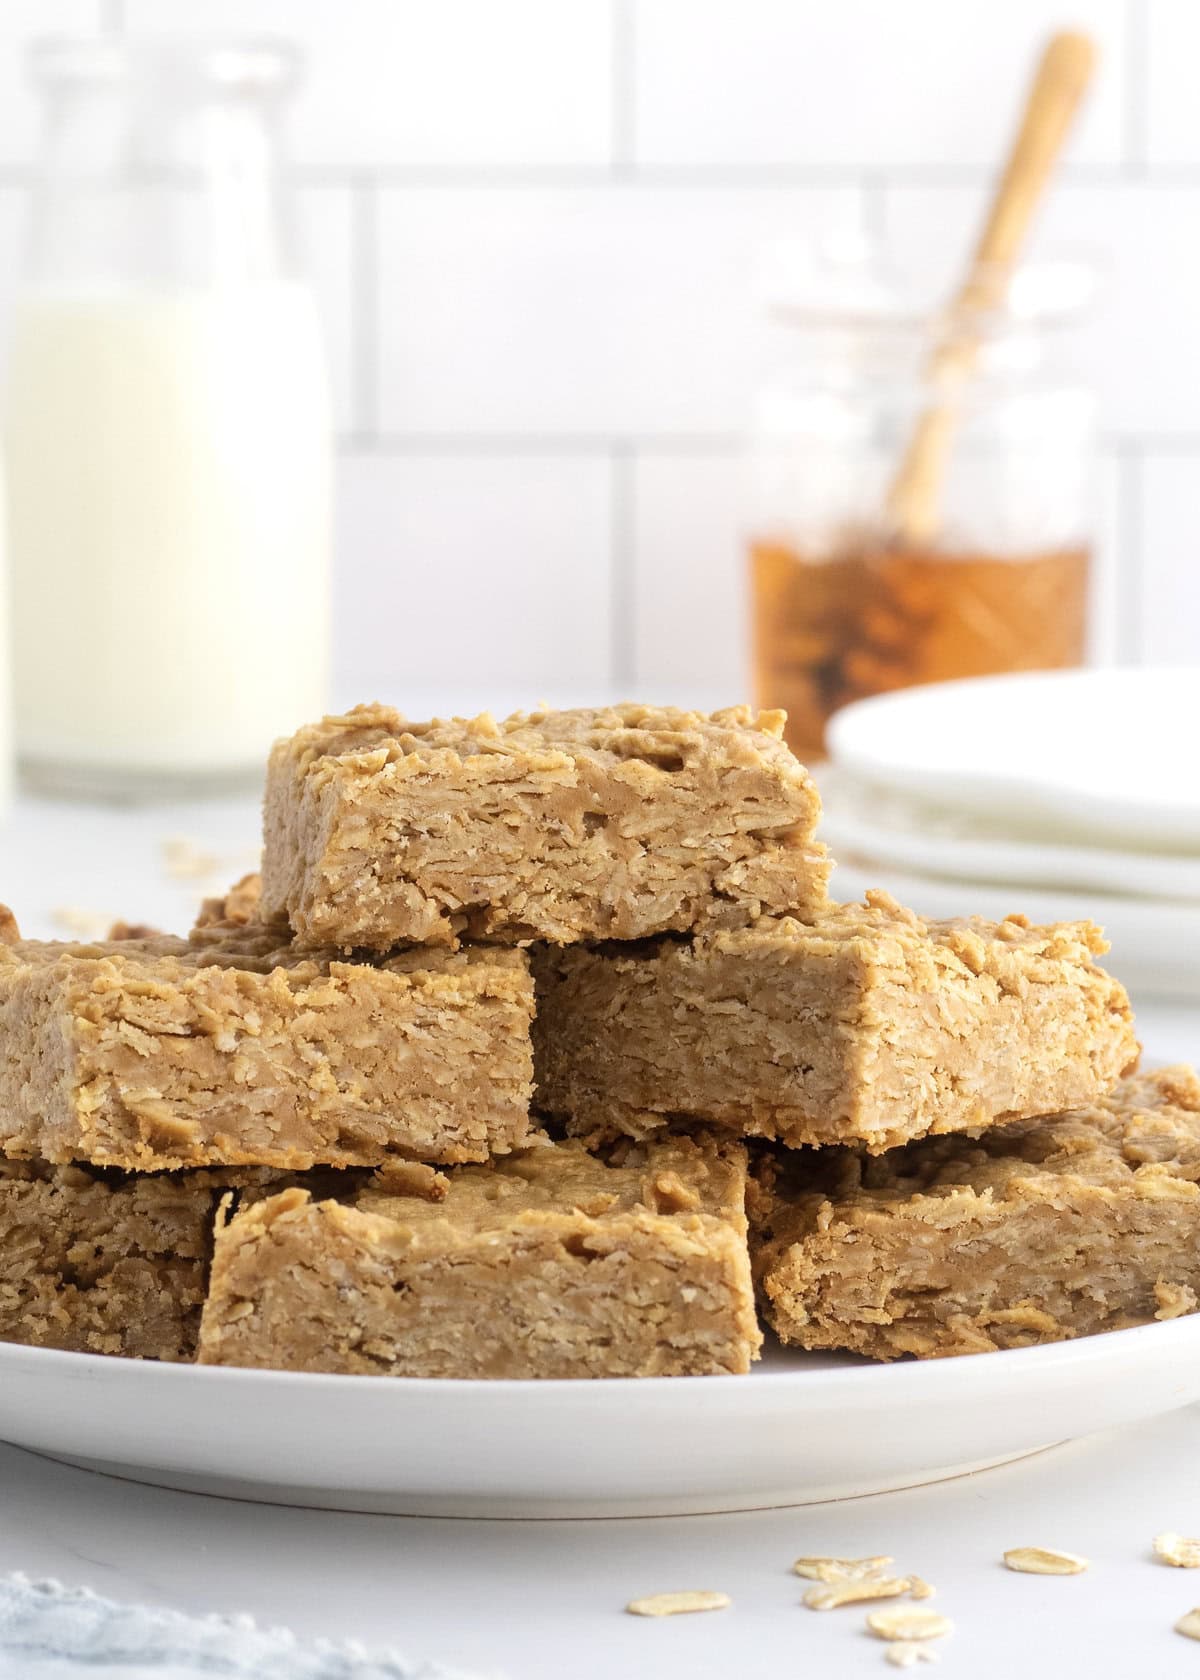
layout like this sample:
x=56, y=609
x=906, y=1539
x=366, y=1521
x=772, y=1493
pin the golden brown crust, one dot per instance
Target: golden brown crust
x=864, y=1023
x=618, y=822
x=551, y=1263
x=610, y=733
x=1038, y=1231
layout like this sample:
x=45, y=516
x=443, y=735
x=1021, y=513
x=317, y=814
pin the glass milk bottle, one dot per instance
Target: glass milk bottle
x=167, y=428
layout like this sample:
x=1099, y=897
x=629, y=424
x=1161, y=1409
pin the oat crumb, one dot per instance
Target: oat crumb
x=678, y=1603
x=920, y=1588
x=1174, y=1299
x=186, y=861
x=1042, y=1560
x=1189, y=1625
x=130, y=930
x=906, y=1653
x=906, y=1626
x=84, y=924
x=837, y=1593
x=839, y=1569
x=1177, y=1550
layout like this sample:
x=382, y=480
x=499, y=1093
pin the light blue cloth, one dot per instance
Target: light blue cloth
x=52, y=1632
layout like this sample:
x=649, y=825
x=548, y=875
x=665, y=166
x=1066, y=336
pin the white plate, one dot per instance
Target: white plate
x=1085, y=755
x=1155, y=946
x=802, y=1428
x=874, y=827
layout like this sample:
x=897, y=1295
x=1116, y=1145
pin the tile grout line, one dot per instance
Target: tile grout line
x=702, y=176
x=684, y=177
x=622, y=561
x=1130, y=605
x=873, y=206
x=568, y=444
x=1135, y=109
x=710, y=445
x=623, y=90
x=364, y=290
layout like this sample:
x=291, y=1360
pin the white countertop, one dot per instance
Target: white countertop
x=542, y=1601
x=538, y=1601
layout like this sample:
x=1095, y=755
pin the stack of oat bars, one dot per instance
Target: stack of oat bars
x=542, y=1051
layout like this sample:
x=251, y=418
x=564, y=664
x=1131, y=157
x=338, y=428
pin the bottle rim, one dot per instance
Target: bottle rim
x=227, y=64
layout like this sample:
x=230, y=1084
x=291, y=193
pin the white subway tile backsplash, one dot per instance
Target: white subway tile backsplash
x=532, y=229
x=622, y=310
x=451, y=83
x=326, y=238
x=690, y=594
x=473, y=570
x=870, y=84
x=1169, y=559
x=22, y=21
x=1141, y=342
x=1168, y=96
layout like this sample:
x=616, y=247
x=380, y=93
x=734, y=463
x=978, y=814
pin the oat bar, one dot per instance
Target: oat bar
x=570, y=825
x=227, y=1048
x=866, y=1024
x=97, y=1262
x=550, y=1263
x=1037, y=1232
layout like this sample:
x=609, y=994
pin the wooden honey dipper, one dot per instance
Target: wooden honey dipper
x=1061, y=80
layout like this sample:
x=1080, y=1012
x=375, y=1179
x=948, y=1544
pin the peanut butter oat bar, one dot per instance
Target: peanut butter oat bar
x=1036, y=1232
x=227, y=1049
x=865, y=1024
x=103, y=1263
x=550, y=1263
x=569, y=825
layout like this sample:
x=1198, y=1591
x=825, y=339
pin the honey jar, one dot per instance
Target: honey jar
x=983, y=564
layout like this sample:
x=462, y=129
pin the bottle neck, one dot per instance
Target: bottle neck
x=155, y=172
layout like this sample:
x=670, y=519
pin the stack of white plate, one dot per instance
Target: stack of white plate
x=1062, y=794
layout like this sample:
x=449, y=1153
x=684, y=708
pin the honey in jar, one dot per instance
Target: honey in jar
x=845, y=604
x=826, y=632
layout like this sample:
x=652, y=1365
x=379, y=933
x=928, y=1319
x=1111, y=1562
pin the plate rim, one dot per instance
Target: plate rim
x=912, y=1377
x=982, y=855
x=1174, y=822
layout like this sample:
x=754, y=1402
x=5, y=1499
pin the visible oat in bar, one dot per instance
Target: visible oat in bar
x=228, y=1049
x=865, y=1024
x=596, y=824
x=549, y=1263
x=1035, y=1232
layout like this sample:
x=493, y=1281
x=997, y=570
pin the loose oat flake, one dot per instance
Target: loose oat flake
x=186, y=861
x=837, y=1593
x=918, y=1588
x=85, y=924
x=1178, y=1551
x=905, y=1626
x=1041, y=1560
x=678, y=1603
x=839, y=1569
x=1189, y=1625
x=906, y=1653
